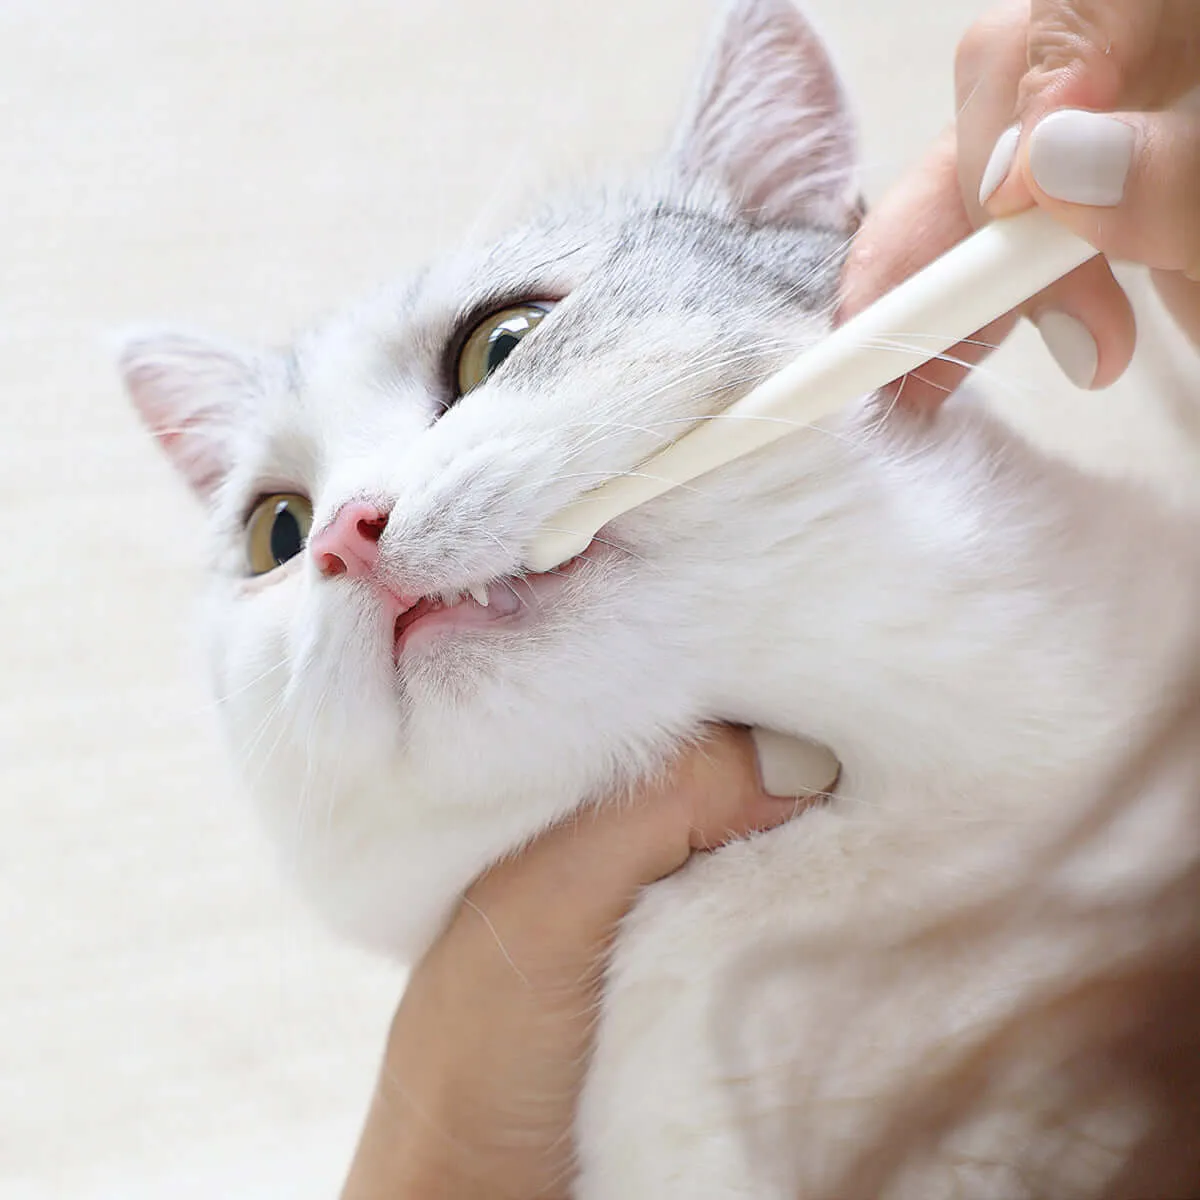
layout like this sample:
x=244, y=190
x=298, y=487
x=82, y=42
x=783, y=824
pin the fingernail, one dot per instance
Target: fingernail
x=1082, y=157
x=789, y=767
x=999, y=165
x=1071, y=345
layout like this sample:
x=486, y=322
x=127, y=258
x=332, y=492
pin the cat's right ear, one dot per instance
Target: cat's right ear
x=770, y=121
x=193, y=395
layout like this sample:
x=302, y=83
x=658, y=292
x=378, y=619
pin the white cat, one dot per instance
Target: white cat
x=981, y=634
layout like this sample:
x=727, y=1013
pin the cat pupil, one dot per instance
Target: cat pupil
x=502, y=345
x=286, y=539
x=491, y=342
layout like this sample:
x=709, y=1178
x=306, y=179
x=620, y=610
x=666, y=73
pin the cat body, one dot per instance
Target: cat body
x=980, y=633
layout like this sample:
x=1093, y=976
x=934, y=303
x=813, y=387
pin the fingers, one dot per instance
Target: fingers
x=1108, y=54
x=488, y=1048
x=1087, y=324
x=794, y=767
x=1094, y=57
x=740, y=783
x=490, y=1041
x=988, y=68
x=1129, y=182
x=921, y=218
x=1085, y=320
x=593, y=865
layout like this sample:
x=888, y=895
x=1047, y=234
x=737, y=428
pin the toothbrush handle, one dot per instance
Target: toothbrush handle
x=972, y=285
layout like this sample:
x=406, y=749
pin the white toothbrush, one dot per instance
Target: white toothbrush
x=978, y=281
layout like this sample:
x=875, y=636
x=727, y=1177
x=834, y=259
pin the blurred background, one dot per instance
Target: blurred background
x=172, y=1023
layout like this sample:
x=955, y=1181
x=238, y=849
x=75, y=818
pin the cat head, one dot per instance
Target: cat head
x=406, y=703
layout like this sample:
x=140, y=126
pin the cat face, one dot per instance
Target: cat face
x=393, y=683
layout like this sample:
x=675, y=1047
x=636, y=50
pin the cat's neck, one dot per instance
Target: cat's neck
x=984, y=616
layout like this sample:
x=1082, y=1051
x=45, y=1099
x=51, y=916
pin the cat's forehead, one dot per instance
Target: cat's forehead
x=636, y=270
x=401, y=330
x=380, y=372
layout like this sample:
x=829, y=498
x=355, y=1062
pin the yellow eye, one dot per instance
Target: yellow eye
x=494, y=339
x=277, y=530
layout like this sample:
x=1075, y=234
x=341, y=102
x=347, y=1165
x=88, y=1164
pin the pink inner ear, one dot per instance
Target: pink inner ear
x=189, y=393
x=190, y=447
x=771, y=120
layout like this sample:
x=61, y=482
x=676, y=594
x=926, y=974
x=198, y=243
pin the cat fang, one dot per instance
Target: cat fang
x=479, y=607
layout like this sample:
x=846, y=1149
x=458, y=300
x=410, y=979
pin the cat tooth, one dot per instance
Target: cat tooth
x=449, y=599
x=479, y=594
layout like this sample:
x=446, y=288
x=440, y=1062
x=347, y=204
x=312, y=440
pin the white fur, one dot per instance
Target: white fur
x=980, y=634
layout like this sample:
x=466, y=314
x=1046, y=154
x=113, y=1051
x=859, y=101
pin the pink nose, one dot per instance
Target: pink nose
x=349, y=544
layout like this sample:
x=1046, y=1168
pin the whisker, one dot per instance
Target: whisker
x=498, y=939
x=225, y=697
x=507, y=581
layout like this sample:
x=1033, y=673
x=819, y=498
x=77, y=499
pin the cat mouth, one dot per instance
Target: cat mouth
x=509, y=601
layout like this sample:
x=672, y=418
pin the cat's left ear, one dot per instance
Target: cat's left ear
x=771, y=123
x=197, y=397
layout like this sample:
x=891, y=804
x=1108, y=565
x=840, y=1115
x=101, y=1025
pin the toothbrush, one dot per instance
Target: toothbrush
x=976, y=282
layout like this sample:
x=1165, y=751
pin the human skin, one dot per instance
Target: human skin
x=490, y=1043
x=1022, y=62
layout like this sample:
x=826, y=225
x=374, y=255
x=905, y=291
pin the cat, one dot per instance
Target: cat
x=980, y=632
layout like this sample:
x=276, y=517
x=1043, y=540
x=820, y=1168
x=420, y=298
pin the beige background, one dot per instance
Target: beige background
x=171, y=1024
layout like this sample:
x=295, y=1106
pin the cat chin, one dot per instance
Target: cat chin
x=385, y=803
x=448, y=670
x=382, y=840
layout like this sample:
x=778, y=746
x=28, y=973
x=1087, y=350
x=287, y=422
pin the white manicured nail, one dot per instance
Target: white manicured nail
x=1071, y=346
x=1082, y=157
x=790, y=767
x=999, y=165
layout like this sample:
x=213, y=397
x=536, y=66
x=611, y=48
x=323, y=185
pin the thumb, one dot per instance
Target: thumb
x=1108, y=54
x=1097, y=56
x=1128, y=182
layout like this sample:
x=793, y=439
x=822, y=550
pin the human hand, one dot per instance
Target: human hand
x=1026, y=76
x=490, y=1043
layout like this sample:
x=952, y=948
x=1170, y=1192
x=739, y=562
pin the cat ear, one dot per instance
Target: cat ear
x=193, y=395
x=770, y=121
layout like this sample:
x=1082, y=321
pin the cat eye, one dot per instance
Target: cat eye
x=494, y=339
x=277, y=530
